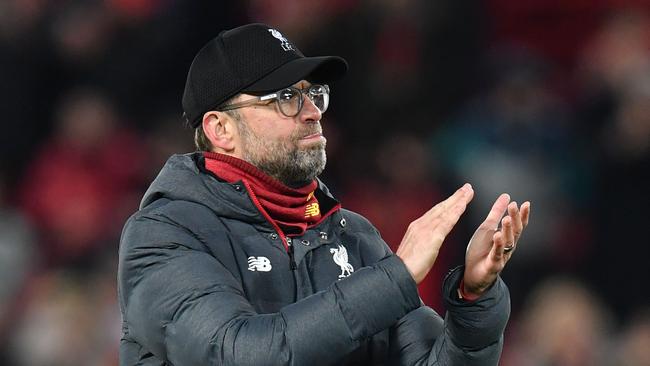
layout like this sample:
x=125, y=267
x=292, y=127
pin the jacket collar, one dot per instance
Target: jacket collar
x=184, y=177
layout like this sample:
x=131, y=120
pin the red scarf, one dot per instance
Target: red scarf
x=292, y=210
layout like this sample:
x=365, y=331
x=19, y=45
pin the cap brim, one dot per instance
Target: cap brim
x=322, y=69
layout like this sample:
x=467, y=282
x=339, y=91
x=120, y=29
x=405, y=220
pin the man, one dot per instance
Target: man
x=239, y=255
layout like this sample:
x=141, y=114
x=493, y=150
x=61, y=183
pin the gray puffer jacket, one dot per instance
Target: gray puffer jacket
x=205, y=280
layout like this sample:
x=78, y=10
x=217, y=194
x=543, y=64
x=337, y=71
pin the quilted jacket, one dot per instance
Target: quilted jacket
x=204, y=279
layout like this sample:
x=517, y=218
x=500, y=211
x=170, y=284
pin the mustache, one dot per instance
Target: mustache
x=307, y=131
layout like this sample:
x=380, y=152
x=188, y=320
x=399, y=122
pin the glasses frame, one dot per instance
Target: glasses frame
x=275, y=97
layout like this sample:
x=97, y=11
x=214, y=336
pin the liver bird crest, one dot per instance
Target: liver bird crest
x=340, y=256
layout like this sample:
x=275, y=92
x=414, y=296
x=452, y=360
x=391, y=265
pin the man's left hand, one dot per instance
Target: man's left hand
x=490, y=248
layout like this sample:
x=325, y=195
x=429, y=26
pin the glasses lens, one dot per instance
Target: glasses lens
x=289, y=101
x=320, y=96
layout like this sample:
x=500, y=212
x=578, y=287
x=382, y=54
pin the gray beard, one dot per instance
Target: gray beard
x=295, y=169
x=283, y=160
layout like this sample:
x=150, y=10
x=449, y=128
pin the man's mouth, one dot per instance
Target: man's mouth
x=312, y=136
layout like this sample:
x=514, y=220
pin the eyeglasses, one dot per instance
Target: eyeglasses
x=290, y=100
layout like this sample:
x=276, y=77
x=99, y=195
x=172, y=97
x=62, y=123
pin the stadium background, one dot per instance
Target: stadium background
x=547, y=100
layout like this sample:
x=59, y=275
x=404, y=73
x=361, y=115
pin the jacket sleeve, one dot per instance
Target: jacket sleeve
x=181, y=304
x=471, y=333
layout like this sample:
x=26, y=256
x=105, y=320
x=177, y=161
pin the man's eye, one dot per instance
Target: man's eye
x=287, y=95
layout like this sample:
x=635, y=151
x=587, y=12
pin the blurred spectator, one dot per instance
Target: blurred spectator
x=618, y=53
x=19, y=18
x=76, y=187
x=621, y=210
x=69, y=319
x=17, y=259
x=562, y=324
x=82, y=31
x=633, y=344
x=618, y=73
x=300, y=20
x=25, y=90
x=615, y=59
x=515, y=137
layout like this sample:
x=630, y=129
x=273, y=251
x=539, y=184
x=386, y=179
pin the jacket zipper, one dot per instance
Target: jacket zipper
x=286, y=241
x=292, y=260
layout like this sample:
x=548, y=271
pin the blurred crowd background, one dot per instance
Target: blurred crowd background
x=546, y=100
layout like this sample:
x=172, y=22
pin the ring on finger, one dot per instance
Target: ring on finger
x=509, y=247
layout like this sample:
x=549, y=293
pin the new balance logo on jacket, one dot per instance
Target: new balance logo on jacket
x=261, y=264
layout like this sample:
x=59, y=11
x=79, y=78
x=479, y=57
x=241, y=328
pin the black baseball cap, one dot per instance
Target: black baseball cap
x=254, y=58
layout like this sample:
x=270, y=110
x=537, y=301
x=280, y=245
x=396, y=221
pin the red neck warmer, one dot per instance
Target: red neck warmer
x=290, y=209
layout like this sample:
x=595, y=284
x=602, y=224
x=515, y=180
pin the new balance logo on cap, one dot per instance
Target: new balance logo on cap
x=260, y=264
x=283, y=41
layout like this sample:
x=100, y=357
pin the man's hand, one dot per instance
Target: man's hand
x=490, y=248
x=421, y=243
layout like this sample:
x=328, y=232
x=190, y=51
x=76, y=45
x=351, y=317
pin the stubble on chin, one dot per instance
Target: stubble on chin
x=286, y=161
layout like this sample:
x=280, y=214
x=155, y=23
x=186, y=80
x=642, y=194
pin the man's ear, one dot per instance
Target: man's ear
x=220, y=129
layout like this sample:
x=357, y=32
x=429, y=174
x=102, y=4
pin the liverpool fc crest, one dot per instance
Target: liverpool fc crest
x=340, y=256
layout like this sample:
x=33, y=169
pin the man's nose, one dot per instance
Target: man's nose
x=309, y=112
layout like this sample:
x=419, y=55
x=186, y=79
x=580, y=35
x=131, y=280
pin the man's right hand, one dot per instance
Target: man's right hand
x=421, y=243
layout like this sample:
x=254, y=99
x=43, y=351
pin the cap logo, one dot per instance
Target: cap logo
x=283, y=41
